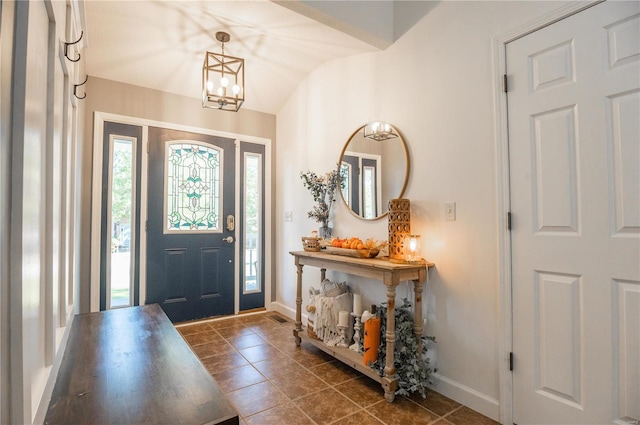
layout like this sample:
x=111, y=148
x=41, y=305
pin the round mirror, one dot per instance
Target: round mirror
x=374, y=164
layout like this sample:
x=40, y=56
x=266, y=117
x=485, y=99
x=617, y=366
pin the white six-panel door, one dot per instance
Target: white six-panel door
x=574, y=146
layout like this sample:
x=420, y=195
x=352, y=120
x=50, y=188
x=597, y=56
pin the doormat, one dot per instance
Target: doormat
x=278, y=318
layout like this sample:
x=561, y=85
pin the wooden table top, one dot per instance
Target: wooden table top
x=131, y=366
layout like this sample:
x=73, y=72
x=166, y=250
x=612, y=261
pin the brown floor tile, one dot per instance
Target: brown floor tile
x=363, y=391
x=334, y=372
x=226, y=323
x=298, y=384
x=261, y=352
x=326, y=406
x=279, y=333
x=245, y=341
x=235, y=331
x=222, y=362
x=359, y=418
x=401, y=412
x=280, y=415
x=309, y=355
x=279, y=365
x=466, y=416
x=437, y=403
x=442, y=422
x=263, y=328
x=193, y=329
x=256, y=398
x=202, y=337
x=256, y=362
x=212, y=349
x=240, y=377
x=251, y=318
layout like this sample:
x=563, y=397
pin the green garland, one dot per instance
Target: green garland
x=413, y=373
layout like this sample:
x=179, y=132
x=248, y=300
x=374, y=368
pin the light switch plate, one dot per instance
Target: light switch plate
x=288, y=216
x=450, y=211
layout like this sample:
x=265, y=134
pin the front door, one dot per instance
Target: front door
x=190, y=237
x=574, y=146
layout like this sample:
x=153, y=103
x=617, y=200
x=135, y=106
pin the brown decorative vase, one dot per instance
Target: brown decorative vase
x=399, y=227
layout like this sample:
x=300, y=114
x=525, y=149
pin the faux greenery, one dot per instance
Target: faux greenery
x=413, y=373
x=322, y=188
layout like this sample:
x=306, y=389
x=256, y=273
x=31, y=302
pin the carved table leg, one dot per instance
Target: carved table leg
x=298, y=327
x=389, y=382
x=417, y=318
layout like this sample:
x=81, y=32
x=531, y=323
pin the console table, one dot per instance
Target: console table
x=390, y=274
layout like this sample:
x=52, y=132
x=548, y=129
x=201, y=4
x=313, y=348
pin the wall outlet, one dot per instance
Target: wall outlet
x=450, y=211
x=288, y=216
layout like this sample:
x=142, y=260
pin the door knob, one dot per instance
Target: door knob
x=228, y=239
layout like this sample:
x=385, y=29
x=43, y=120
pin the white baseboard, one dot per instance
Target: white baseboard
x=286, y=311
x=469, y=397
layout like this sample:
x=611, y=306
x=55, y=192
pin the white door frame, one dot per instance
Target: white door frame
x=98, y=126
x=499, y=49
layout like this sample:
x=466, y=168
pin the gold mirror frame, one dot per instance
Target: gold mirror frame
x=390, y=159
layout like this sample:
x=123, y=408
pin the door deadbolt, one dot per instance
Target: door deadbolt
x=231, y=223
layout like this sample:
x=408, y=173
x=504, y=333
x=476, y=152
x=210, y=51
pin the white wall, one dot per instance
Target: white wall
x=435, y=85
x=38, y=173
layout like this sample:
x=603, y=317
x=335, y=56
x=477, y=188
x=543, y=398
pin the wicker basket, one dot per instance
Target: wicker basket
x=310, y=331
x=311, y=244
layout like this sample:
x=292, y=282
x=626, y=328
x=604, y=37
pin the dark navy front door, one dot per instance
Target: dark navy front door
x=190, y=250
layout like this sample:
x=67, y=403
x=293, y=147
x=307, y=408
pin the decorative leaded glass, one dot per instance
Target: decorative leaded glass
x=193, y=187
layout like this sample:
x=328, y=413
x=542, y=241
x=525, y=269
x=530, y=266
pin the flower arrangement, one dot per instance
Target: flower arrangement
x=322, y=188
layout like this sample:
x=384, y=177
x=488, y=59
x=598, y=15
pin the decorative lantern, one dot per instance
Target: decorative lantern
x=399, y=227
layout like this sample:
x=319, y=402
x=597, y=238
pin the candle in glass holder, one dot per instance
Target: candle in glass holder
x=412, y=247
x=357, y=304
x=343, y=318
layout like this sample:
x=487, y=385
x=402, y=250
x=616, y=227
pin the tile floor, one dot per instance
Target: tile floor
x=269, y=380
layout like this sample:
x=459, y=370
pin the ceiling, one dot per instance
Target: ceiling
x=161, y=44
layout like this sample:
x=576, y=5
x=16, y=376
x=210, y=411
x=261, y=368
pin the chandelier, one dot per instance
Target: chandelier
x=379, y=131
x=222, y=79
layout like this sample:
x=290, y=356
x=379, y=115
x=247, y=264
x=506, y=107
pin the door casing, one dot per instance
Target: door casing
x=503, y=192
x=98, y=125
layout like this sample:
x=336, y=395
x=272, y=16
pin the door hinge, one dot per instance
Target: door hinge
x=146, y=225
x=511, y=361
x=505, y=86
x=148, y=147
x=508, y=220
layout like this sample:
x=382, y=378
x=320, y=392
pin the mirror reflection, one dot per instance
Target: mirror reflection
x=374, y=164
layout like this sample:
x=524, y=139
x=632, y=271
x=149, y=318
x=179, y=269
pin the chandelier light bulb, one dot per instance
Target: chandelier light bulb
x=222, y=78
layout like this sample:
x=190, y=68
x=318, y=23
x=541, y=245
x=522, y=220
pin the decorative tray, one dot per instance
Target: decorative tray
x=357, y=253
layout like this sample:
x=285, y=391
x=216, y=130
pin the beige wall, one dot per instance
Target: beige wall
x=435, y=84
x=138, y=102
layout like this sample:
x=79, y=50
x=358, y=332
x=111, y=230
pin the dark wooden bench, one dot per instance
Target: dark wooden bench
x=131, y=366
